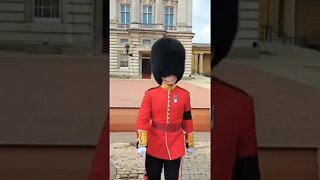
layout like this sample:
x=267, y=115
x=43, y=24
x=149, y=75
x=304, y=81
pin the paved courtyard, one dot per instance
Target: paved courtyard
x=130, y=166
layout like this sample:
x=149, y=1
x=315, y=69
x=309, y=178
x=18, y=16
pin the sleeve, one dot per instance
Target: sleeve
x=247, y=165
x=188, y=124
x=143, y=120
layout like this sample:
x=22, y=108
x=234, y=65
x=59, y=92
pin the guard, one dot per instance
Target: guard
x=164, y=123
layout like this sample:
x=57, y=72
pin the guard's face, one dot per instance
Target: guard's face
x=169, y=80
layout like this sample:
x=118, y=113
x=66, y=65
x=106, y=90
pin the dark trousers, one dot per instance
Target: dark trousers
x=154, y=168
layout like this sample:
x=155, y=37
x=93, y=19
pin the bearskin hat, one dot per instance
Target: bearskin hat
x=224, y=29
x=167, y=58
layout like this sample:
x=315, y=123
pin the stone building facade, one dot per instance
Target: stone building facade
x=52, y=26
x=138, y=24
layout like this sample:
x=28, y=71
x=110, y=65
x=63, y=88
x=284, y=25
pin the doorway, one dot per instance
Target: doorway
x=146, y=66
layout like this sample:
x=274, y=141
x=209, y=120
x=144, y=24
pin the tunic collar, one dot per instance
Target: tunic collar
x=168, y=87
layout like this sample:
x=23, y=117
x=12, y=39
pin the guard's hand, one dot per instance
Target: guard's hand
x=142, y=151
x=189, y=151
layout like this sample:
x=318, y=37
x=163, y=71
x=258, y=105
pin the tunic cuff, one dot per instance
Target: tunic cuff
x=190, y=140
x=142, y=139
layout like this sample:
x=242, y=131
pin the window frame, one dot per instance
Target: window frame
x=121, y=55
x=148, y=14
x=171, y=14
x=147, y=40
x=121, y=43
x=125, y=12
x=47, y=19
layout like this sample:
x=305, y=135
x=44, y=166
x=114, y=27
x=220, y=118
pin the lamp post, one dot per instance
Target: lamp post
x=129, y=54
x=127, y=50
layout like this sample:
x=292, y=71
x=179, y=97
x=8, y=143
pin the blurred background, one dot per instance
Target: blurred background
x=54, y=67
x=275, y=59
x=54, y=87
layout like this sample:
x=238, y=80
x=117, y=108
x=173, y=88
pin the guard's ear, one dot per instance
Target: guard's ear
x=224, y=27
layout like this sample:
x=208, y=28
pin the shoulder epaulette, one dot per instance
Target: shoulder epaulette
x=152, y=88
x=182, y=88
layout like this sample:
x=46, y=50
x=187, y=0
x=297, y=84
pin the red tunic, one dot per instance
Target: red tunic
x=100, y=164
x=165, y=115
x=233, y=135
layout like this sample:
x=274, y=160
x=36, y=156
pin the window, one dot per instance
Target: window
x=147, y=14
x=124, y=41
x=125, y=14
x=124, y=61
x=168, y=17
x=146, y=41
x=46, y=10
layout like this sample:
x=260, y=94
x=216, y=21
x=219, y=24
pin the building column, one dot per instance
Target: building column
x=192, y=64
x=201, y=63
x=289, y=17
x=113, y=12
x=196, y=63
x=189, y=13
x=158, y=14
x=182, y=13
x=135, y=14
x=134, y=61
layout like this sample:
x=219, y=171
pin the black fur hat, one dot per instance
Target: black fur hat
x=224, y=28
x=167, y=58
